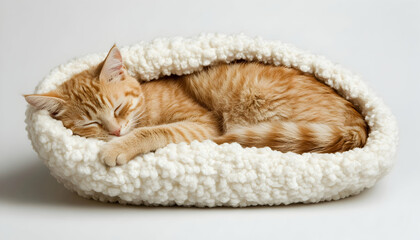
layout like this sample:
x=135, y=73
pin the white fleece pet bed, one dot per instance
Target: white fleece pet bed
x=204, y=173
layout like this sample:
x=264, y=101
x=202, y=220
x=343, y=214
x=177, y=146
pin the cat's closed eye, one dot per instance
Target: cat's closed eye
x=91, y=124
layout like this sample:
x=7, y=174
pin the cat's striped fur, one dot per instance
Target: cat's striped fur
x=249, y=103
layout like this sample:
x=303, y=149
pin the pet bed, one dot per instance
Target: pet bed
x=205, y=174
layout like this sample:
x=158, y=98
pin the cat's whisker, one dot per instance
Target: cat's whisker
x=135, y=119
x=138, y=117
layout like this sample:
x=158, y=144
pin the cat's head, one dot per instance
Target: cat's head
x=102, y=102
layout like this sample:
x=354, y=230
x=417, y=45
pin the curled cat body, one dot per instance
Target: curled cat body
x=253, y=104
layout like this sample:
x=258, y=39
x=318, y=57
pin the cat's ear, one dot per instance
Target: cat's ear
x=47, y=101
x=113, y=69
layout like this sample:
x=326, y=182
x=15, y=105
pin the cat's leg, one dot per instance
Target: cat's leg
x=145, y=139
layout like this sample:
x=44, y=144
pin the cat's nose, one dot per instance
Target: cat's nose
x=116, y=132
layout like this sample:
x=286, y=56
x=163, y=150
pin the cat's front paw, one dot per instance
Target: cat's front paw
x=114, y=153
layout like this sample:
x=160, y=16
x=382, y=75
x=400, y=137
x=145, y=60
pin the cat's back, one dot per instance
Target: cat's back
x=280, y=92
x=237, y=80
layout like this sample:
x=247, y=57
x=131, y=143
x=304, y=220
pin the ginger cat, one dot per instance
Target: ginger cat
x=249, y=103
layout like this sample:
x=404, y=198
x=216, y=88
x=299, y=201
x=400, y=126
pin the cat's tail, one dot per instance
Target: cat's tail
x=298, y=137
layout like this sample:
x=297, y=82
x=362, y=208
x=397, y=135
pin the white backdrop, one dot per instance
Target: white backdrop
x=380, y=40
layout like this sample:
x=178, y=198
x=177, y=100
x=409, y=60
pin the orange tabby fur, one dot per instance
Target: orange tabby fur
x=249, y=103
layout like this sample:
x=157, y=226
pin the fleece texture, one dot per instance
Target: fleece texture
x=205, y=174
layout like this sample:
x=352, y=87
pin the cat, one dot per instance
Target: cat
x=250, y=103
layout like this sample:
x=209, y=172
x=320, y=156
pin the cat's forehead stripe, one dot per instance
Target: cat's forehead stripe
x=95, y=86
x=91, y=108
x=100, y=98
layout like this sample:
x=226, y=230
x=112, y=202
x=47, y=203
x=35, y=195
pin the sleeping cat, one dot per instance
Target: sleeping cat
x=249, y=103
